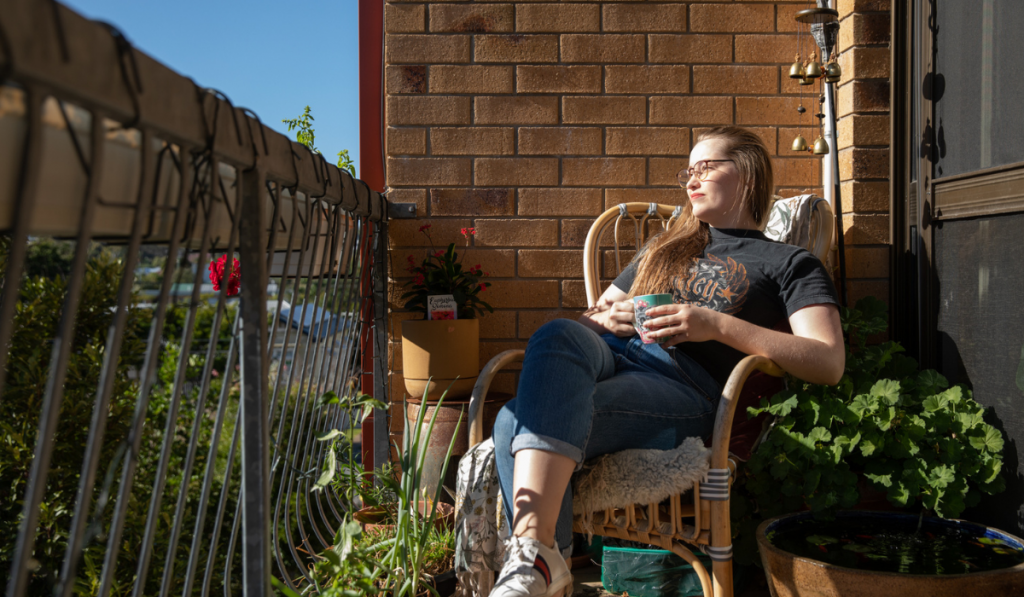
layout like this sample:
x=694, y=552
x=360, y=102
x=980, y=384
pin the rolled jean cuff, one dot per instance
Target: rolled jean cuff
x=533, y=441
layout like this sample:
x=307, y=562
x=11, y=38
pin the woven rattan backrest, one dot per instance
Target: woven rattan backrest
x=641, y=219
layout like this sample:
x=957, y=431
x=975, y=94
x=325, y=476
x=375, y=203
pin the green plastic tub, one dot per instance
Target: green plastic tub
x=651, y=573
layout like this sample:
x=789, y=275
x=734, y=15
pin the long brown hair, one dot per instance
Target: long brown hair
x=671, y=253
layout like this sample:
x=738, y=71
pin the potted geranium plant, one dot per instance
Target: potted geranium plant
x=441, y=351
x=890, y=428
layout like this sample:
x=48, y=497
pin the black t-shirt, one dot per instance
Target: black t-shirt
x=745, y=274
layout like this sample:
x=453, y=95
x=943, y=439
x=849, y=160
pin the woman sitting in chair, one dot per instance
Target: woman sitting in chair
x=593, y=387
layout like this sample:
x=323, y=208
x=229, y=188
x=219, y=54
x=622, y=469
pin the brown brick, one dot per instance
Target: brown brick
x=603, y=48
x=647, y=79
x=768, y=110
x=691, y=48
x=731, y=18
x=558, y=79
x=559, y=141
x=867, y=262
x=472, y=141
x=791, y=172
x=574, y=232
x=866, y=229
x=648, y=141
x=845, y=7
x=864, y=30
x=515, y=110
x=559, y=202
x=691, y=110
x=865, y=197
x=490, y=349
x=516, y=171
x=558, y=18
x=516, y=48
x=858, y=289
x=788, y=134
x=471, y=202
x=417, y=196
x=427, y=110
x=471, y=79
x=734, y=79
x=406, y=233
x=602, y=171
x=406, y=78
x=498, y=325
x=859, y=163
x=574, y=294
x=550, y=263
x=644, y=17
x=406, y=141
x=676, y=196
x=416, y=172
x=863, y=96
x=865, y=63
x=530, y=321
x=432, y=49
x=767, y=48
x=604, y=110
x=662, y=171
x=768, y=134
x=404, y=18
x=863, y=129
x=785, y=19
x=471, y=18
x=517, y=232
x=497, y=263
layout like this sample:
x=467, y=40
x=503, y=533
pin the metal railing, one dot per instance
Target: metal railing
x=167, y=429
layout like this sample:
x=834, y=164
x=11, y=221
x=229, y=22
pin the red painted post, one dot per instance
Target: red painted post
x=371, y=170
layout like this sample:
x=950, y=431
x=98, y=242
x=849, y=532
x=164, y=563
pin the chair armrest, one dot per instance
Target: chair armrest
x=722, y=434
x=483, y=384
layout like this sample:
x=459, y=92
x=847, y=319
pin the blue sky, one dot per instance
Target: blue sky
x=273, y=57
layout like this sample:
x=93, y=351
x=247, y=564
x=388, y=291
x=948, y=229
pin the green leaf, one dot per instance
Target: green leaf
x=327, y=398
x=329, y=435
x=783, y=403
x=934, y=403
x=941, y=476
x=863, y=405
x=819, y=434
x=989, y=440
x=887, y=390
x=931, y=381
x=330, y=468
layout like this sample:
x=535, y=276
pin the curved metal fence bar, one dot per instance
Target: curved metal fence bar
x=181, y=288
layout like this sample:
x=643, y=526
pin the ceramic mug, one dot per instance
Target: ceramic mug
x=640, y=306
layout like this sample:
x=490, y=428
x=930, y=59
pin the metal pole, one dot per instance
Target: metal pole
x=255, y=428
x=381, y=440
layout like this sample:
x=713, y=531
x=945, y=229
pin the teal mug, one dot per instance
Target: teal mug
x=640, y=306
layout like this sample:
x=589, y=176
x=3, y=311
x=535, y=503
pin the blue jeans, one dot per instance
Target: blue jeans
x=583, y=395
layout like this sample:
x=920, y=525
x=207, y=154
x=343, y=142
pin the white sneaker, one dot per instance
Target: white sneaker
x=531, y=569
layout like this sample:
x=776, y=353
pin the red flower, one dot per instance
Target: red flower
x=483, y=287
x=467, y=232
x=418, y=280
x=217, y=274
x=439, y=254
x=424, y=227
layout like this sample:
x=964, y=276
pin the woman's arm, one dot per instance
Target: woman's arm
x=814, y=352
x=612, y=313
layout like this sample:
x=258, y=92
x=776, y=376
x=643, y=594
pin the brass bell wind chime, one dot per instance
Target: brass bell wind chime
x=810, y=71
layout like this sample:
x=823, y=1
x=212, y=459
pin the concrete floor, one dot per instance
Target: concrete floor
x=588, y=584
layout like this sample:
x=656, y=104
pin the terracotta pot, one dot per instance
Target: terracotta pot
x=439, y=354
x=792, y=576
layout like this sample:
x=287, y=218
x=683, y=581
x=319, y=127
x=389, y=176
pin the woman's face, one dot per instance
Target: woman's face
x=716, y=198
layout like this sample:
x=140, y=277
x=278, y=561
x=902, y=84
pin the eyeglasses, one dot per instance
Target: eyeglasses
x=700, y=169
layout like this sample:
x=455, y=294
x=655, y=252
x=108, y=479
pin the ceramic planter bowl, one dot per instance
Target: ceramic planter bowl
x=793, y=576
x=439, y=354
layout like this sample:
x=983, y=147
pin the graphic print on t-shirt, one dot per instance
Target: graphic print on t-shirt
x=714, y=283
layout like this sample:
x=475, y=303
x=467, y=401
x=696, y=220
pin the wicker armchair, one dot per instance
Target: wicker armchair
x=701, y=518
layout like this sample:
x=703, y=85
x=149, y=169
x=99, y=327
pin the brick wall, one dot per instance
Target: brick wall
x=863, y=131
x=526, y=120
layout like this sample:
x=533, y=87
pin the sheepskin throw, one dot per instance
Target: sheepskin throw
x=638, y=476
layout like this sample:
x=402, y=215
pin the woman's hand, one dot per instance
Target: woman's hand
x=683, y=323
x=612, y=316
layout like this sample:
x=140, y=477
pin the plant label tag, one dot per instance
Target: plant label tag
x=441, y=306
